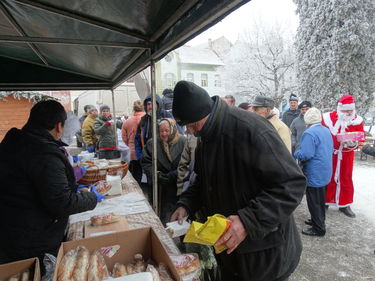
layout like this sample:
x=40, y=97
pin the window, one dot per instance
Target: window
x=217, y=80
x=190, y=77
x=170, y=80
x=204, y=80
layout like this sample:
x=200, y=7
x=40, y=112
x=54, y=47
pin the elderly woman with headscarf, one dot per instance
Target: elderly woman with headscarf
x=170, y=145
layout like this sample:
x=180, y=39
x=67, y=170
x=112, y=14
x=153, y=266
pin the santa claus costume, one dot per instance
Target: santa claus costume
x=340, y=190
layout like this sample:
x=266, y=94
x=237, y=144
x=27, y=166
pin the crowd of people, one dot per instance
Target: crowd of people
x=244, y=162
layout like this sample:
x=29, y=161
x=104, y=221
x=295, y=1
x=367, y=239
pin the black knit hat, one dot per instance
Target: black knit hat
x=304, y=104
x=191, y=103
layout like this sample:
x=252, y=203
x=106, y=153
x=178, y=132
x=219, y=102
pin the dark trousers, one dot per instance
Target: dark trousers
x=315, y=197
x=135, y=169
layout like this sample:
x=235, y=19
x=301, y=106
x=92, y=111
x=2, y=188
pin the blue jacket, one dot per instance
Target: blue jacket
x=316, y=149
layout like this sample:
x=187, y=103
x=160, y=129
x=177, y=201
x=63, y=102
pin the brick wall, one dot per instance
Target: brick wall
x=13, y=113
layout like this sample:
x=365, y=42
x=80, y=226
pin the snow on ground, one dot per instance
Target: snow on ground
x=346, y=252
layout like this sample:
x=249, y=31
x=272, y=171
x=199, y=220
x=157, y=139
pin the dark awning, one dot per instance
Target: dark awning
x=96, y=44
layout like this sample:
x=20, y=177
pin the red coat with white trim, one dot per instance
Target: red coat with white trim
x=340, y=190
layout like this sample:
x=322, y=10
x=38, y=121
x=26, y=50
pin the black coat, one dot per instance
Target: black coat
x=38, y=193
x=168, y=170
x=370, y=150
x=290, y=115
x=243, y=168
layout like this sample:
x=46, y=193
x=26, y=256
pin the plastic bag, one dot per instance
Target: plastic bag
x=209, y=232
x=164, y=273
x=98, y=270
x=154, y=272
x=187, y=265
x=119, y=270
x=49, y=262
x=66, y=267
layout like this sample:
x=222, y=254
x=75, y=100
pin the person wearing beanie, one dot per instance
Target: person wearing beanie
x=230, y=100
x=245, y=106
x=104, y=128
x=340, y=190
x=264, y=106
x=128, y=130
x=167, y=99
x=298, y=125
x=239, y=177
x=88, y=134
x=293, y=112
x=315, y=154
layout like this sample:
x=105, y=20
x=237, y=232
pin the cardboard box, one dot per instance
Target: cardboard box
x=131, y=242
x=10, y=269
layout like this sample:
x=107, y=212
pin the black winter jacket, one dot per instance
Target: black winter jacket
x=243, y=168
x=290, y=115
x=370, y=150
x=38, y=193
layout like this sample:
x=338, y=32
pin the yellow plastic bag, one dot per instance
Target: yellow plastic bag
x=209, y=232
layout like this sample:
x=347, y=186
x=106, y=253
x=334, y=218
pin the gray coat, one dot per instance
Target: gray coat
x=106, y=134
x=297, y=127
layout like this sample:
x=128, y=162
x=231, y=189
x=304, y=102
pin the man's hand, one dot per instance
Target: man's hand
x=234, y=235
x=179, y=215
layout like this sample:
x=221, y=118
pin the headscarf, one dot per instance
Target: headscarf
x=173, y=137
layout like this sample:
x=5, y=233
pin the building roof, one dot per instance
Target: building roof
x=194, y=55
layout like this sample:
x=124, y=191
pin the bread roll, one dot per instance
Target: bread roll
x=119, y=270
x=82, y=264
x=104, y=219
x=98, y=269
x=66, y=267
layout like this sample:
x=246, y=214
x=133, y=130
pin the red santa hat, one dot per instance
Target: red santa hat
x=346, y=103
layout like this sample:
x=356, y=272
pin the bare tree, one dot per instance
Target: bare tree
x=261, y=62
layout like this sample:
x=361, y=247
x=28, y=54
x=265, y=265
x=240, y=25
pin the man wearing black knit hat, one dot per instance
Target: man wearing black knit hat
x=292, y=112
x=298, y=125
x=239, y=177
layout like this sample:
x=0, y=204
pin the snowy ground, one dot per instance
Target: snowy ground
x=347, y=251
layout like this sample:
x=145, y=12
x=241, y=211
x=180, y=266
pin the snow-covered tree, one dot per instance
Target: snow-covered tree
x=261, y=63
x=336, y=51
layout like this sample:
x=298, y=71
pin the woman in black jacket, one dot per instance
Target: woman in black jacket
x=170, y=146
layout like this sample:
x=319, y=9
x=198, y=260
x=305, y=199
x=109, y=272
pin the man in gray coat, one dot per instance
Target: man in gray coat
x=298, y=125
x=245, y=173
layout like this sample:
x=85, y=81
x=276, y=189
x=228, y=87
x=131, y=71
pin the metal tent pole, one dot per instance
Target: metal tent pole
x=114, y=115
x=154, y=143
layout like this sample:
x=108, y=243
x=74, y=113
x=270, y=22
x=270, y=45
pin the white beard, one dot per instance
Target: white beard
x=344, y=120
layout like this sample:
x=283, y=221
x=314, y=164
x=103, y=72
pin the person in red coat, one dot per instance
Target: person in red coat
x=340, y=190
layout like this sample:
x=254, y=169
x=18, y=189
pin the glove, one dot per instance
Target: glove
x=351, y=143
x=108, y=123
x=75, y=158
x=79, y=188
x=91, y=148
x=99, y=197
x=83, y=170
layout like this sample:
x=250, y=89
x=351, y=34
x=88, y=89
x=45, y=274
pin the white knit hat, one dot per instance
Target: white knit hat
x=312, y=116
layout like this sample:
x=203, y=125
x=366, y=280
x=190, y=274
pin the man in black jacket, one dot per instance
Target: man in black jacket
x=293, y=112
x=244, y=172
x=37, y=186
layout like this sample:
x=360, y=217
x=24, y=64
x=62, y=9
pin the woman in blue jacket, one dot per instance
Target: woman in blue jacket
x=315, y=153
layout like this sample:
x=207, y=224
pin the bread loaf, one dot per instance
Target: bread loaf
x=66, y=267
x=82, y=264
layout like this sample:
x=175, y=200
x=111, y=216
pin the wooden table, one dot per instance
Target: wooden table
x=129, y=184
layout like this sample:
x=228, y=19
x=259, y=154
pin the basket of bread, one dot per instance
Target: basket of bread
x=98, y=170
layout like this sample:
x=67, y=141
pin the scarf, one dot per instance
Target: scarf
x=173, y=137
